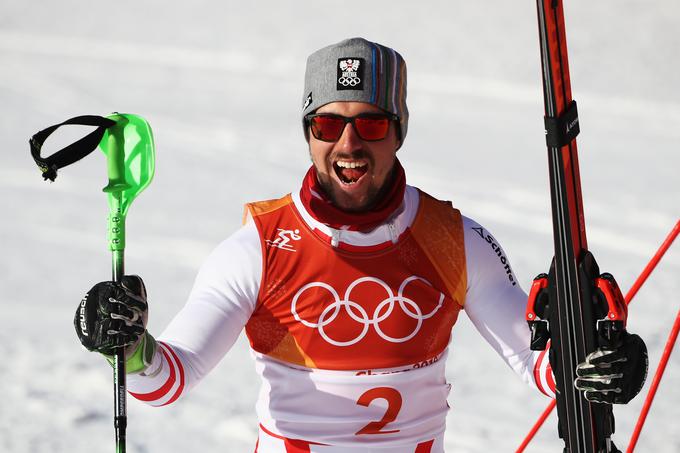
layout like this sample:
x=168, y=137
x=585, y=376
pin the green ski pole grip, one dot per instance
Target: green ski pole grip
x=115, y=165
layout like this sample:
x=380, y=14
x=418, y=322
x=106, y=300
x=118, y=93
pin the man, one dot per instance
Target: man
x=348, y=288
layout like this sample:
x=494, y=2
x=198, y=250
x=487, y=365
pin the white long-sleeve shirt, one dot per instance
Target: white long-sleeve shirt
x=225, y=295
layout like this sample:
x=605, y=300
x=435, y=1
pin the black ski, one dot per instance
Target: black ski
x=572, y=318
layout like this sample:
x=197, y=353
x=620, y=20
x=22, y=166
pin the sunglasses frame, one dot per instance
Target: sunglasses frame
x=350, y=119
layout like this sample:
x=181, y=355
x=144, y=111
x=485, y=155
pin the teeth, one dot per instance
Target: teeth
x=347, y=164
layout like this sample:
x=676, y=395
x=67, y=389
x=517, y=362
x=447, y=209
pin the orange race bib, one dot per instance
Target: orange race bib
x=357, y=308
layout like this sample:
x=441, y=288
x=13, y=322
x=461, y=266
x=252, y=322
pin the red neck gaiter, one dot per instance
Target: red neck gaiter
x=320, y=207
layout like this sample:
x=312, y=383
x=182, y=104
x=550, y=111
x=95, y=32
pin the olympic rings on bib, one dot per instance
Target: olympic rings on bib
x=360, y=315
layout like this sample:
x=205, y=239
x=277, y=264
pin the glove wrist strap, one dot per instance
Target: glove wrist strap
x=141, y=358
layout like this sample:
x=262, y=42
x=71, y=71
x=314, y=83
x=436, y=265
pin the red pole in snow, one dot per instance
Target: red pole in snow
x=537, y=425
x=629, y=297
x=654, y=261
x=655, y=383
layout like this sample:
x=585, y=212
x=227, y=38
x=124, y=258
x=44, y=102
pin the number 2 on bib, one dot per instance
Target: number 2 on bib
x=393, y=398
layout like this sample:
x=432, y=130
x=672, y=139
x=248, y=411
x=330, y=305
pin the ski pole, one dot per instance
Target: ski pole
x=130, y=162
x=127, y=142
x=642, y=278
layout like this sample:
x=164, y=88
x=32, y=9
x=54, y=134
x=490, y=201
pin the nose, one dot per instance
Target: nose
x=349, y=140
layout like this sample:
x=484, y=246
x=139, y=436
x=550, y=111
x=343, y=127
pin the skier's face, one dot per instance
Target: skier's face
x=353, y=172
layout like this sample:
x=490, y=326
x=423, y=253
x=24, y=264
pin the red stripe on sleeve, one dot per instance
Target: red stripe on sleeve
x=537, y=370
x=181, y=376
x=161, y=392
x=550, y=378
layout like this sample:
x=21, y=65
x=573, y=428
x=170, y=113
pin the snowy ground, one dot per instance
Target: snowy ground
x=221, y=84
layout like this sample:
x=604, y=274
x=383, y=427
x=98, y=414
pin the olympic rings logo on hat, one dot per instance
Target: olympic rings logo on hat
x=349, y=81
x=360, y=315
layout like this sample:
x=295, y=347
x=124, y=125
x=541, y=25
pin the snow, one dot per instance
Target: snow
x=220, y=83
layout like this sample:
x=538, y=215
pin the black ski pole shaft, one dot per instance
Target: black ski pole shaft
x=115, y=161
x=119, y=384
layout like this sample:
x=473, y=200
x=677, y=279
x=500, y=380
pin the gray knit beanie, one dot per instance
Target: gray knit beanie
x=357, y=70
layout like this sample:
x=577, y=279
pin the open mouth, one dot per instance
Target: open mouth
x=349, y=172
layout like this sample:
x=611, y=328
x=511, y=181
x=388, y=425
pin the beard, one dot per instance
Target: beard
x=373, y=195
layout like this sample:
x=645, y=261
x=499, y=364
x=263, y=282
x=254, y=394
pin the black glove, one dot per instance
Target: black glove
x=614, y=376
x=113, y=315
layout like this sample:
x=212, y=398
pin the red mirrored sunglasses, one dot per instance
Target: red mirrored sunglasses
x=370, y=127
